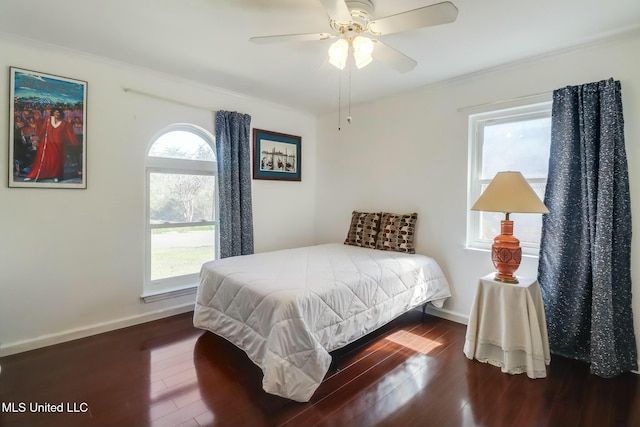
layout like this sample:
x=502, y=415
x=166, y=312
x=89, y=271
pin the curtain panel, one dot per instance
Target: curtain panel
x=585, y=250
x=234, y=183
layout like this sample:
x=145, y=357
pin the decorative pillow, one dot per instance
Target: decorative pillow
x=396, y=232
x=364, y=228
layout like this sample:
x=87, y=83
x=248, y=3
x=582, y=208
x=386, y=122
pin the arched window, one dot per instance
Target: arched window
x=181, y=210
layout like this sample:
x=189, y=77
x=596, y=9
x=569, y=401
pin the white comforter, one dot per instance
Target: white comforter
x=287, y=309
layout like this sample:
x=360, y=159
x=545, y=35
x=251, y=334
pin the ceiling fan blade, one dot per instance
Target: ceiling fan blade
x=395, y=59
x=436, y=14
x=337, y=10
x=290, y=38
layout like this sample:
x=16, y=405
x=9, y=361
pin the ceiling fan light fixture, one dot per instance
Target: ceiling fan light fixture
x=338, y=52
x=362, y=51
x=350, y=18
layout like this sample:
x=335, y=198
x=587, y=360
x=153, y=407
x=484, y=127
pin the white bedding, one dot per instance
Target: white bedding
x=287, y=309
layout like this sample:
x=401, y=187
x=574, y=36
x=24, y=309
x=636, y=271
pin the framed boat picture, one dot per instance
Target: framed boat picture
x=47, y=132
x=276, y=156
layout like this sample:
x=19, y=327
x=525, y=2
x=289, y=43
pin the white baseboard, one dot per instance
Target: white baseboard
x=448, y=314
x=98, y=328
x=73, y=334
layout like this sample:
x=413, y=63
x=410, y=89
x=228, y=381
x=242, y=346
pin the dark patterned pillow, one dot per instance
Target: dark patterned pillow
x=396, y=232
x=364, y=228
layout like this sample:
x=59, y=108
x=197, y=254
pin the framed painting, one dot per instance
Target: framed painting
x=47, y=131
x=276, y=156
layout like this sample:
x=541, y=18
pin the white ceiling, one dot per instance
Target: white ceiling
x=207, y=40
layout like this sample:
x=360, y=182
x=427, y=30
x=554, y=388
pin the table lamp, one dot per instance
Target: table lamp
x=508, y=192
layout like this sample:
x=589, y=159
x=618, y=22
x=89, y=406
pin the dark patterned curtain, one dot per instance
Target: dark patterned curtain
x=585, y=252
x=234, y=183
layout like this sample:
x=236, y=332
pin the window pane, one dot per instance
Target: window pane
x=181, y=198
x=180, y=251
x=526, y=227
x=182, y=145
x=517, y=146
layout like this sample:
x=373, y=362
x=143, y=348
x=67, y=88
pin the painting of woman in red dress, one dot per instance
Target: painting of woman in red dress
x=47, y=148
x=50, y=156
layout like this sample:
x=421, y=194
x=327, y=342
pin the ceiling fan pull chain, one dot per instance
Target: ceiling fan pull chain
x=339, y=98
x=349, y=114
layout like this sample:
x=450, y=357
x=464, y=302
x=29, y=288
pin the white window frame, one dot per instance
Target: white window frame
x=155, y=290
x=477, y=122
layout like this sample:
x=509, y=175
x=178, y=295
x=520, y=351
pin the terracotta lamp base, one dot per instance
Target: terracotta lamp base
x=506, y=253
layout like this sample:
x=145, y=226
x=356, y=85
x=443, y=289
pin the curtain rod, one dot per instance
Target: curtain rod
x=163, y=98
x=503, y=101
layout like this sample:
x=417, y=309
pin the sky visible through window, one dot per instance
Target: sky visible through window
x=180, y=144
x=517, y=146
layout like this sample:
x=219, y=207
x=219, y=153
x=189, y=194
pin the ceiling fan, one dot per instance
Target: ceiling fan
x=352, y=23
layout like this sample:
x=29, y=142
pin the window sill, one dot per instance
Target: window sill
x=167, y=293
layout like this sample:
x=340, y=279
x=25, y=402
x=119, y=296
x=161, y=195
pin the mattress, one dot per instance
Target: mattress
x=288, y=309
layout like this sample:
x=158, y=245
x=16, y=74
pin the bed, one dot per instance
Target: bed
x=288, y=309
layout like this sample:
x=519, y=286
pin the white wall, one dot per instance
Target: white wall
x=71, y=261
x=410, y=153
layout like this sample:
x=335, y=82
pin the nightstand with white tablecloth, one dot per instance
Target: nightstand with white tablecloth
x=507, y=327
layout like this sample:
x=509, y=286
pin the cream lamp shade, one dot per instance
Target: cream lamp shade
x=509, y=192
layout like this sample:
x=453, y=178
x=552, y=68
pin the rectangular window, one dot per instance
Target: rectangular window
x=514, y=139
x=182, y=224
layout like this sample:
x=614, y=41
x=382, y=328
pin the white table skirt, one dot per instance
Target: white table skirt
x=507, y=327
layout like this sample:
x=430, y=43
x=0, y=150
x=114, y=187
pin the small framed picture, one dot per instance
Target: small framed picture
x=276, y=156
x=47, y=131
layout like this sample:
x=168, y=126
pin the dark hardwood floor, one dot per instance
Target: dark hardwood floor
x=166, y=373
